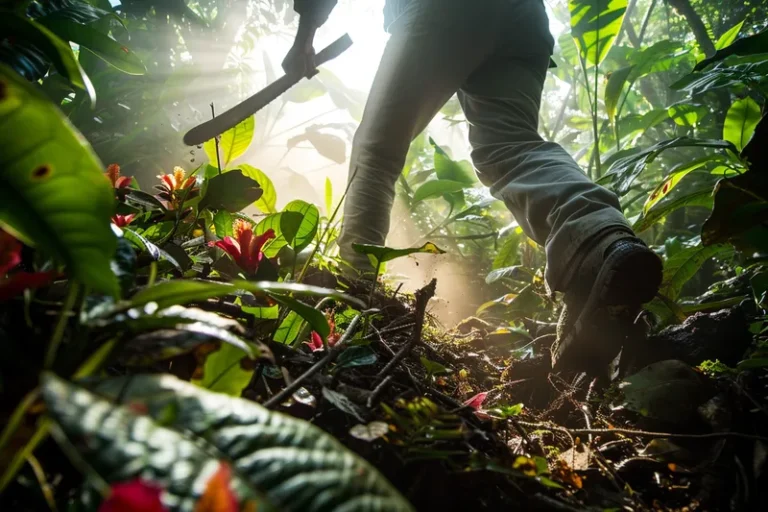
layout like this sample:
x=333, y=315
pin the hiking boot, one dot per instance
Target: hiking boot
x=601, y=303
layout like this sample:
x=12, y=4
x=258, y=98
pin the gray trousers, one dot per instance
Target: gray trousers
x=495, y=54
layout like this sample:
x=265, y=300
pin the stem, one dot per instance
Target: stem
x=216, y=142
x=598, y=169
x=61, y=324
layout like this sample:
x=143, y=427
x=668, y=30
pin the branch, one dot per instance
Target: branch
x=685, y=9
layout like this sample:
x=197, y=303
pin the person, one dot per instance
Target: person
x=494, y=54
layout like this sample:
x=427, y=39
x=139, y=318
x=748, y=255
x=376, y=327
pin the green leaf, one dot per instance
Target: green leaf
x=437, y=188
x=379, y=254
x=310, y=219
x=729, y=36
x=53, y=193
x=289, y=329
x=508, y=254
x=673, y=178
x=185, y=291
x=262, y=312
x=232, y=143
x=687, y=114
x=741, y=121
x=107, y=49
x=433, y=367
x=231, y=191
x=740, y=206
x=278, y=462
x=594, y=26
x=699, y=198
x=448, y=169
x=144, y=245
x=314, y=317
x=624, y=170
x=223, y=372
x=613, y=90
x=222, y=223
x=328, y=196
x=754, y=44
x=683, y=265
x=266, y=203
x=285, y=225
x=55, y=50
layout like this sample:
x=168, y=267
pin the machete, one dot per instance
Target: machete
x=221, y=123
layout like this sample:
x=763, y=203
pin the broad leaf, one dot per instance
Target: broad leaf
x=729, y=36
x=683, y=265
x=46, y=171
x=613, y=90
x=314, y=317
x=278, y=462
x=104, y=47
x=672, y=179
x=307, y=229
x=356, y=356
x=699, y=198
x=448, y=169
x=741, y=121
x=379, y=254
x=223, y=371
x=144, y=245
x=687, y=114
x=624, y=170
x=594, y=26
x=750, y=45
x=231, y=191
x=437, y=188
x=285, y=226
x=740, y=211
x=180, y=291
x=289, y=329
x=232, y=143
x=55, y=50
x=222, y=223
x=266, y=203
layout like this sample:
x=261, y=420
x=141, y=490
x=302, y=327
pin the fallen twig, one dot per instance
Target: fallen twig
x=639, y=433
x=422, y=298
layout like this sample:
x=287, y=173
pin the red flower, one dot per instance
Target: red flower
x=315, y=342
x=113, y=173
x=218, y=496
x=176, y=186
x=16, y=283
x=476, y=401
x=245, y=248
x=123, y=220
x=133, y=496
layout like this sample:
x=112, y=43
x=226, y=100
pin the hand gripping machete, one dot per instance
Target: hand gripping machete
x=221, y=123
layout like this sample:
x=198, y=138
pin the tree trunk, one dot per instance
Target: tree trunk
x=685, y=9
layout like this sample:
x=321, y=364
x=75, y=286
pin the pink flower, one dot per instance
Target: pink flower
x=476, y=402
x=113, y=173
x=16, y=283
x=245, y=248
x=315, y=342
x=123, y=220
x=133, y=496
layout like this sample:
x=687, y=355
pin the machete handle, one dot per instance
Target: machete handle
x=237, y=114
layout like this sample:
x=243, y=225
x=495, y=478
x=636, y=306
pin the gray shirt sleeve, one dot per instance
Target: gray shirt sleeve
x=316, y=10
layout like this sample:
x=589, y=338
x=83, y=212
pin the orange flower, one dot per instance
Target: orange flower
x=176, y=186
x=245, y=248
x=123, y=220
x=218, y=496
x=133, y=496
x=113, y=173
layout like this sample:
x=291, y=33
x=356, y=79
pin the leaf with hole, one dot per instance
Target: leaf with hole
x=698, y=198
x=46, y=170
x=278, y=462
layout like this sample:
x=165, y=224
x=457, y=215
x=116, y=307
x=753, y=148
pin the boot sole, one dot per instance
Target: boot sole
x=628, y=277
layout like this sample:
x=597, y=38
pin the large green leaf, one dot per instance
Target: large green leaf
x=231, y=191
x=448, y=169
x=315, y=318
x=729, y=36
x=54, y=49
x=437, y=188
x=379, y=254
x=624, y=170
x=52, y=190
x=310, y=219
x=223, y=371
x=674, y=177
x=613, y=90
x=594, y=25
x=285, y=226
x=266, y=203
x=750, y=45
x=232, y=143
x=741, y=121
x=185, y=291
x=101, y=45
x=278, y=462
x=699, y=198
x=683, y=265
